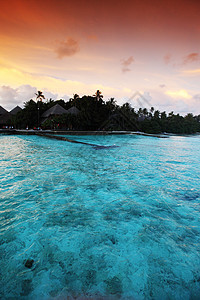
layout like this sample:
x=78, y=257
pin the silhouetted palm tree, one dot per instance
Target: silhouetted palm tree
x=152, y=109
x=98, y=95
x=39, y=96
x=111, y=104
x=145, y=112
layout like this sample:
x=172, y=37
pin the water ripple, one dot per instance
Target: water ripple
x=115, y=224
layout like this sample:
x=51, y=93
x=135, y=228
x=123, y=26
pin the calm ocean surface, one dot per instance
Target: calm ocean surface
x=115, y=223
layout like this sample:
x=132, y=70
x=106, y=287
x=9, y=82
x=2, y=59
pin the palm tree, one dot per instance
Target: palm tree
x=156, y=114
x=152, y=110
x=145, y=112
x=39, y=96
x=171, y=114
x=98, y=95
x=111, y=104
x=76, y=96
x=140, y=112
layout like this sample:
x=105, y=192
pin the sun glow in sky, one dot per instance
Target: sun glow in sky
x=119, y=47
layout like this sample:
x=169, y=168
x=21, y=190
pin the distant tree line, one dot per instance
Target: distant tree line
x=97, y=114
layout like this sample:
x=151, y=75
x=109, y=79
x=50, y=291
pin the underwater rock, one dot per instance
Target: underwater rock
x=26, y=287
x=29, y=263
x=114, y=285
x=113, y=240
x=90, y=277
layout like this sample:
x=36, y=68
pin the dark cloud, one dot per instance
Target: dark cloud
x=162, y=86
x=192, y=57
x=67, y=48
x=126, y=64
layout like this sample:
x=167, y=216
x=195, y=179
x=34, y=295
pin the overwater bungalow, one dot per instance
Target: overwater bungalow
x=55, y=111
x=4, y=117
x=15, y=110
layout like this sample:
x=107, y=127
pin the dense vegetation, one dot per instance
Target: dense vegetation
x=97, y=114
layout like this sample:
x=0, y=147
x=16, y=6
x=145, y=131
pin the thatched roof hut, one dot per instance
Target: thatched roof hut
x=5, y=118
x=54, y=111
x=15, y=110
x=3, y=111
x=73, y=111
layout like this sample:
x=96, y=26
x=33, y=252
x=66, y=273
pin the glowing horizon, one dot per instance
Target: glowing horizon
x=119, y=48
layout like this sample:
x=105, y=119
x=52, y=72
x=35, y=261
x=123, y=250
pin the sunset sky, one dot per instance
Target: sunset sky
x=63, y=47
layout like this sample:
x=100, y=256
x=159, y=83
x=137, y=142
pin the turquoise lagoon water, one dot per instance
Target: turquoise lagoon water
x=115, y=223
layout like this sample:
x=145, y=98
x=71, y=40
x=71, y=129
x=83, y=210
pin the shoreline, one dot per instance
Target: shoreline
x=70, y=132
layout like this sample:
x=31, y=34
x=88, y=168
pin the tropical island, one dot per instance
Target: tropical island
x=92, y=113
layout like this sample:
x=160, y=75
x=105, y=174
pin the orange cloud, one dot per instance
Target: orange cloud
x=93, y=37
x=126, y=64
x=179, y=94
x=192, y=57
x=67, y=48
x=192, y=72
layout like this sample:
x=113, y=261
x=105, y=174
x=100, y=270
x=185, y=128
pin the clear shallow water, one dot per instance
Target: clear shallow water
x=119, y=223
